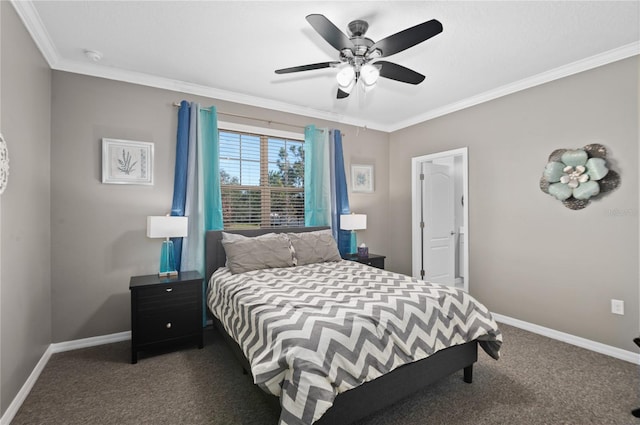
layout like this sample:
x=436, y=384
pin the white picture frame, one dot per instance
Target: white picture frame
x=362, y=177
x=127, y=162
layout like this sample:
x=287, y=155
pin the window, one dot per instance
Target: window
x=262, y=180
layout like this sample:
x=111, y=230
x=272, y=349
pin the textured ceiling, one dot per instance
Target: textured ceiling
x=229, y=50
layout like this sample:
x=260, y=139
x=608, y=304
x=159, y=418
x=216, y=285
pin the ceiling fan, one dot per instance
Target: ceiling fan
x=358, y=52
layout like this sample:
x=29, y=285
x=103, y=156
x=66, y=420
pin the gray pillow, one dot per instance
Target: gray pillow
x=314, y=247
x=261, y=252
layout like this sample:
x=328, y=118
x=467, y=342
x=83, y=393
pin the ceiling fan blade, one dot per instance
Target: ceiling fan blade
x=408, y=38
x=397, y=72
x=342, y=94
x=330, y=32
x=306, y=67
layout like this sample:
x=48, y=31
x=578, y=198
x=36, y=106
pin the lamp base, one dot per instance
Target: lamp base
x=167, y=260
x=168, y=275
x=353, y=249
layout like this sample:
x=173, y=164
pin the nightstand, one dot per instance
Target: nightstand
x=165, y=311
x=373, y=260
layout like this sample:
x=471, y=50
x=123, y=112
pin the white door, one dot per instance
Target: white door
x=439, y=220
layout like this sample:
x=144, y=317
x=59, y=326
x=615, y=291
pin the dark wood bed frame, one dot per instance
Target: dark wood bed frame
x=371, y=396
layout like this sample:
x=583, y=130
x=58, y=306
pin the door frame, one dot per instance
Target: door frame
x=416, y=240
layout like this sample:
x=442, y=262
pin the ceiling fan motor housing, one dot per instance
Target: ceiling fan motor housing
x=358, y=28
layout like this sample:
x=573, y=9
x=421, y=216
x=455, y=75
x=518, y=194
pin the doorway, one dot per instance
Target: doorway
x=440, y=218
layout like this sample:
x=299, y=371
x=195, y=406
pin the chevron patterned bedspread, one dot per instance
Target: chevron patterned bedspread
x=313, y=331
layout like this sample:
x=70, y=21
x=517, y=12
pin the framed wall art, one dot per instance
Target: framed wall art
x=362, y=178
x=127, y=162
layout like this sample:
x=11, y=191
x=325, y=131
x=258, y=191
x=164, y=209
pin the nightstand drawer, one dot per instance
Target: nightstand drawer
x=172, y=297
x=166, y=326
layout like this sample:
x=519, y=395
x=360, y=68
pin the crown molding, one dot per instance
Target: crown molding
x=31, y=19
x=38, y=32
x=576, y=67
x=143, y=79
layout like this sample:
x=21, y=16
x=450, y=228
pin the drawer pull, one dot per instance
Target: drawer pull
x=169, y=289
x=168, y=325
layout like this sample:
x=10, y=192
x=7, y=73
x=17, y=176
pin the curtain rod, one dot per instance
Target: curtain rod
x=177, y=105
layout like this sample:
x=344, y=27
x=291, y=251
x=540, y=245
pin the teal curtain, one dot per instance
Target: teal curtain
x=210, y=170
x=317, y=177
x=203, y=203
x=325, y=184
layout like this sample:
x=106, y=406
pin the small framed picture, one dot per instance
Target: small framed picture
x=362, y=178
x=127, y=162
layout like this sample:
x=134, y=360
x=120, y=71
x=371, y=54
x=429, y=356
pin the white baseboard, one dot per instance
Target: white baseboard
x=59, y=347
x=598, y=347
x=13, y=408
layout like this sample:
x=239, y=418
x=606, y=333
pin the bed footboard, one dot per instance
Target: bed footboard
x=402, y=382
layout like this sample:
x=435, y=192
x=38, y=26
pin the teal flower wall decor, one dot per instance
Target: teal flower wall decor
x=574, y=176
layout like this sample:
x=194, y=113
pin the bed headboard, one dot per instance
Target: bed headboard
x=214, y=252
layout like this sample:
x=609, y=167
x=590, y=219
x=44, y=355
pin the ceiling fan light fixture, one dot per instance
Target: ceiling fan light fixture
x=346, y=78
x=369, y=75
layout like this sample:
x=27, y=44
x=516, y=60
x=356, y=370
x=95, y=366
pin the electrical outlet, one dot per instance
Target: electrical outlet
x=617, y=307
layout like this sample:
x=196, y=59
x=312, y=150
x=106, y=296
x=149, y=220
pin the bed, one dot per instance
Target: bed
x=342, y=396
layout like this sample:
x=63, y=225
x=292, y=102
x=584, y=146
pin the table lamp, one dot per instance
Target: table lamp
x=167, y=227
x=353, y=222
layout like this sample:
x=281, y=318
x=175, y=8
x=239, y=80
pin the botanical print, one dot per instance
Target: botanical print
x=362, y=178
x=127, y=162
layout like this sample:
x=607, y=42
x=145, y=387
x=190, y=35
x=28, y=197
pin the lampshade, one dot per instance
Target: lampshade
x=353, y=222
x=167, y=226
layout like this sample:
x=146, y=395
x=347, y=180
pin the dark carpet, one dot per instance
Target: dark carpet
x=537, y=381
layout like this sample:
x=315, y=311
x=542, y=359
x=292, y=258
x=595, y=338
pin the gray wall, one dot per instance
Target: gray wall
x=530, y=257
x=98, y=230
x=25, y=331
